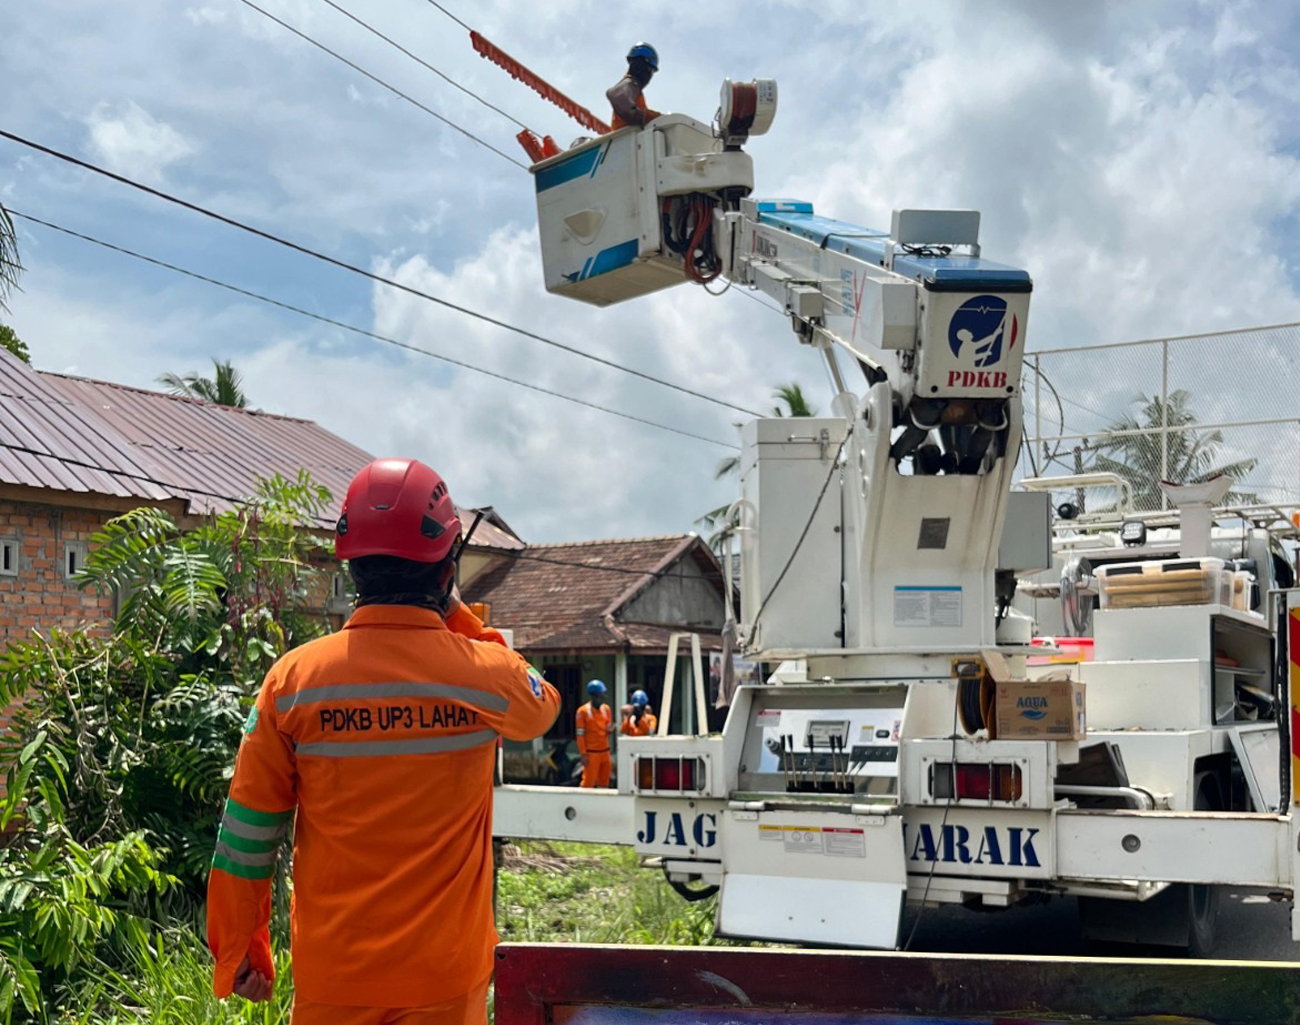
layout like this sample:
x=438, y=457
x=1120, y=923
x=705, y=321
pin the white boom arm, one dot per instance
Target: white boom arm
x=902, y=557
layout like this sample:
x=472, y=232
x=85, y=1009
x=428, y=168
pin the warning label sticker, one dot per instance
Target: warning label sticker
x=803, y=839
x=844, y=843
x=768, y=717
x=828, y=841
x=927, y=606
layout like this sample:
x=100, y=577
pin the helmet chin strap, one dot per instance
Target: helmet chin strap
x=437, y=602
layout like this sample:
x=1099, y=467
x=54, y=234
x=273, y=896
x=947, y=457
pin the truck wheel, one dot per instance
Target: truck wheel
x=1183, y=916
x=1203, y=900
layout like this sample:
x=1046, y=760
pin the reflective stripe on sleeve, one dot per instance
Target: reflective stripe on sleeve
x=384, y=748
x=252, y=860
x=252, y=817
x=409, y=689
x=243, y=844
x=243, y=829
x=240, y=871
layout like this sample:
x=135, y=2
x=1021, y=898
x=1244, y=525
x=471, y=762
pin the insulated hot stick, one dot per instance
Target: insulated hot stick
x=846, y=786
x=794, y=763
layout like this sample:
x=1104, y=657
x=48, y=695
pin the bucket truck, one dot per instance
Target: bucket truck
x=914, y=758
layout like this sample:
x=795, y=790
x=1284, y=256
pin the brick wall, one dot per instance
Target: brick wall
x=42, y=544
x=39, y=544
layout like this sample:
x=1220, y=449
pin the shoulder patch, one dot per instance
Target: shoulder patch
x=250, y=724
x=535, y=681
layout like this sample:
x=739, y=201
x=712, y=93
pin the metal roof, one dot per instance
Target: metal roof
x=74, y=434
x=211, y=455
x=570, y=597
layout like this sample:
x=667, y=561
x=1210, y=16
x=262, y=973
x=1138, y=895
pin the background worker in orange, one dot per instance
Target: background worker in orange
x=382, y=738
x=626, y=96
x=594, y=726
x=638, y=719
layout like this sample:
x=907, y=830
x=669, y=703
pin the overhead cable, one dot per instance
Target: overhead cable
x=370, y=275
x=246, y=500
x=451, y=16
x=423, y=63
x=362, y=331
x=380, y=82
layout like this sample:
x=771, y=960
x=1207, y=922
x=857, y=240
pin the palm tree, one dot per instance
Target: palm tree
x=1132, y=448
x=223, y=389
x=9, y=263
x=795, y=404
x=10, y=341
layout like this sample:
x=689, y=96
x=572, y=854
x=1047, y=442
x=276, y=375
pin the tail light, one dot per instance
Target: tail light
x=976, y=781
x=676, y=774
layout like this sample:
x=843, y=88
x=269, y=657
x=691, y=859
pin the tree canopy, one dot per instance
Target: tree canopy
x=224, y=388
x=1133, y=447
x=10, y=266
x=791, y=401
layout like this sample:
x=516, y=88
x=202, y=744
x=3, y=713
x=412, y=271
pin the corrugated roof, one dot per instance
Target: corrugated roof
x=48, y=440
x=209, y=455
x=75, y=434
x=567, y=597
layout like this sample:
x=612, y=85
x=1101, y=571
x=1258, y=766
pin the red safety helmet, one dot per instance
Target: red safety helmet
x=397, y=507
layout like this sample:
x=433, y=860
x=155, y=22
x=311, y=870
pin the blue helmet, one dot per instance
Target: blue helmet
x=596, y=687
x=640, y=697
x=647, y=53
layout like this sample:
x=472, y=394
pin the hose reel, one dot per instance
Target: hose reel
x=1078, y=586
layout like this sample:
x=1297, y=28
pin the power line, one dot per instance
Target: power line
x=423, y=63
x=451, y=16
x=245, y=500
x=362, y=331
x=126, y=474
x=369, y=275
x=380, y=82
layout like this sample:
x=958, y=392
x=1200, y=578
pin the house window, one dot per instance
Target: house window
x=9, y=558
x=74, y=559
x=337, y=585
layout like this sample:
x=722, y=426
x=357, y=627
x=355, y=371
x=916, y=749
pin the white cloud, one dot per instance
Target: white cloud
x=205, y=15
x=1139, y=160
x=132, y=142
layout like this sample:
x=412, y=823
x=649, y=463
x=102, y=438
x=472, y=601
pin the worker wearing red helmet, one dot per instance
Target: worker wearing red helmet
x=594, y=725
x=378, y=742
x=627, y=95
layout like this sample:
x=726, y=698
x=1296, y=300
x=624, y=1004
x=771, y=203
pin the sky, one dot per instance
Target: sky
x=1140, y=160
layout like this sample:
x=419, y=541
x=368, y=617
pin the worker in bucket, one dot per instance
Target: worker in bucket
x=626, y=96
x=638, y=719
x=594, y=727
x=377, y=744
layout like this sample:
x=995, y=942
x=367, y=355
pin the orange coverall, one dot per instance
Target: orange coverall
x=383, y=737
x=593, y=727
x=619, y=94
x=632, y=728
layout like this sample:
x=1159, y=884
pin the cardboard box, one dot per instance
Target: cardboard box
x=1039, y=710
x=1051, y=708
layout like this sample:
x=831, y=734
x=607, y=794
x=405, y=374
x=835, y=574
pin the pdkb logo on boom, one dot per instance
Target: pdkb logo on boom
x=985, y=323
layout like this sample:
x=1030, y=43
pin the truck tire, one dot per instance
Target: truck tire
x=1183, y=916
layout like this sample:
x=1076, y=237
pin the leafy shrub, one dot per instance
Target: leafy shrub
x=121, y=755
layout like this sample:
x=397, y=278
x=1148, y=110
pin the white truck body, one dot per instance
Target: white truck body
x=870, y=546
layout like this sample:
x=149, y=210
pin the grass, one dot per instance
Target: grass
x=547, y=892
x=170, y=983
x=585, y=893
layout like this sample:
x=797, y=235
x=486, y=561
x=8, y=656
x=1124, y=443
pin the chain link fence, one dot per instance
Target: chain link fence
x=1179, y=409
